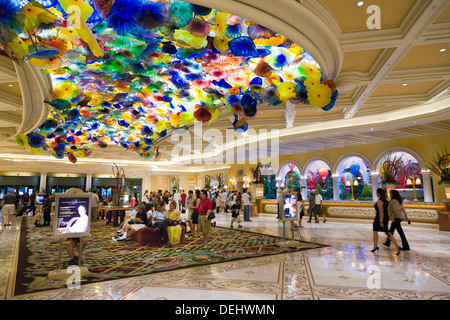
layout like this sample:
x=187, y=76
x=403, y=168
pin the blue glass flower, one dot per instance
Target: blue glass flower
x=10, y=20
x=180, y=13
x=233, y=31
x=35, y=140
x=334, y=97
x=201, y=10
x=243, y=47
x=153, y=14
x=123, y=15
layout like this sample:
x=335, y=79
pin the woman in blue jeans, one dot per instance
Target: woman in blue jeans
x=396, y=213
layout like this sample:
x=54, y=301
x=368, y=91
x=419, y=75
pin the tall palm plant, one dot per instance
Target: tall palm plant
x=440, y=165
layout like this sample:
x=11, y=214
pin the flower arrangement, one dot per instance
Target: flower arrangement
x=440, y=165
x=390, y=170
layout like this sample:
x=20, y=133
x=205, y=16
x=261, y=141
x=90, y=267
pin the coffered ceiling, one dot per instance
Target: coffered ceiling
x=388, y=78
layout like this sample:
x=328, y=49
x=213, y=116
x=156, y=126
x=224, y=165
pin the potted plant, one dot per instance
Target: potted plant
x=440, y=165
x=390, y=170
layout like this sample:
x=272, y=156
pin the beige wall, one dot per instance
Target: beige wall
x=425, y=146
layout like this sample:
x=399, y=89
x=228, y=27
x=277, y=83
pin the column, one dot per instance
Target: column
x=427, y=188
x=146, y=183
x=374, y=177
x=335, y=188
x=304, y=189
x=88, y=181
x=43, y=181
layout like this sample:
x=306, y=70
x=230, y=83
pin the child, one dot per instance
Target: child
x=235, y=208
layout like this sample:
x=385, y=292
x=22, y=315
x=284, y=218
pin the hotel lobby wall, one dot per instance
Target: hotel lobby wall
x=425, y=146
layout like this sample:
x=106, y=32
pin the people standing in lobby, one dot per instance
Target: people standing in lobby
x=174, y=228
x=47, y=209
x=311, y=210
x=194, y=205
x=396, y=213
x=177, y=198
x=301, y=209
x=94, y=206
x=204, y=209
x=223, y=200
x=183, y=197
x=380, y=223
x=318, y=207
x=8, y=207
x=246, y=202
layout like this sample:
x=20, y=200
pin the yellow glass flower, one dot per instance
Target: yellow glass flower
x=66, y=90
x=273, y=41
x=221, y=24
x=35, y=14
x=319, y=95
x=309, y=69
x=311, y=82
x=80, y=6
x=186, y=37
x=19, y=46
x=221, y=43
x=69, y=34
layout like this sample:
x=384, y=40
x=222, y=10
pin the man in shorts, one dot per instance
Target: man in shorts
x=8, y=207
x=204, y=209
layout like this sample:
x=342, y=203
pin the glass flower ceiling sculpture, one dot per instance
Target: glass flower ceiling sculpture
x=128, y=72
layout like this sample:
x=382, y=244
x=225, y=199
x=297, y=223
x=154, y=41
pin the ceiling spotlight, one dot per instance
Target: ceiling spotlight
x=442, y=50
x=10, y=85
x=405, y=84
x=360, y=3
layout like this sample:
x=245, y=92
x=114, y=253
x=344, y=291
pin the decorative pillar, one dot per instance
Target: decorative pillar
x=335, y=188
x=427, y=188
x=304, y=189
x=43, y=181
x=88, y=181
x=374, y=177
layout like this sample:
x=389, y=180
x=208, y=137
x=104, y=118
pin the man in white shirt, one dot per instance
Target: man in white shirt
x=318, y=208
x=246, y=202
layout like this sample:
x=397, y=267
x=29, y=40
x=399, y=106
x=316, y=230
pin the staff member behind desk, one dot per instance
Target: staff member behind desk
x=8, y=207
x=204, y=209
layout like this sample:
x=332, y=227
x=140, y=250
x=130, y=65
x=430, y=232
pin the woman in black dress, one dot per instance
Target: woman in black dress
x=381, y=220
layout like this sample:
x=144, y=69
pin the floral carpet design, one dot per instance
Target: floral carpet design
x=108, y=260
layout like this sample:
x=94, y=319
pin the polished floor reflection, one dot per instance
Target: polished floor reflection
x=346, y=269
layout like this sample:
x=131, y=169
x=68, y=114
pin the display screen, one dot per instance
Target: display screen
x=72, y=215
x=39, y=199
x=290, y=206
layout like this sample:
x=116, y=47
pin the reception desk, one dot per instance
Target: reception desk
x=417, y=211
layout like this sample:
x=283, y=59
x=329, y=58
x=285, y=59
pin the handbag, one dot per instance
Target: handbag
x=212, y=215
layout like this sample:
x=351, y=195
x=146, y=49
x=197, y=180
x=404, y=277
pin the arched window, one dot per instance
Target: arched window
x=290, y=175
x=402, y=171
x=354, y=170
x=318, y=174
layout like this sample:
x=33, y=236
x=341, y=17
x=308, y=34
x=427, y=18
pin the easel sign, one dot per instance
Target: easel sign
x=72, y=216
x=288, y=206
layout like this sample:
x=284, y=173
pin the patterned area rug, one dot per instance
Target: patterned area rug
x=108, y=260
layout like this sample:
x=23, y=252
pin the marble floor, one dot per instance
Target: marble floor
x=346, y=269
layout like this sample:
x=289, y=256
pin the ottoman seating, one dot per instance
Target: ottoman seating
x=148, y=236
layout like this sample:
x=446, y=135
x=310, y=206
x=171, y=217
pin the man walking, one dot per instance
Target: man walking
x=8, y=207
x=246, y=201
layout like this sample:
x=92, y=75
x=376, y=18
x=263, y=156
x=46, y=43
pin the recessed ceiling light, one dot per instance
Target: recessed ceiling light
x=405, y=84
x=10, y=85
x=360, y=3
x=371, y=129
x=442, y=50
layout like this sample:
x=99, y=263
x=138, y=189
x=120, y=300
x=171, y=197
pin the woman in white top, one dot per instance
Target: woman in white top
x=396, y=212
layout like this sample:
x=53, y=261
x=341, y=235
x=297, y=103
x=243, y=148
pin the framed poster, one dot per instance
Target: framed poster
x=72, y=216
x=288, y=206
